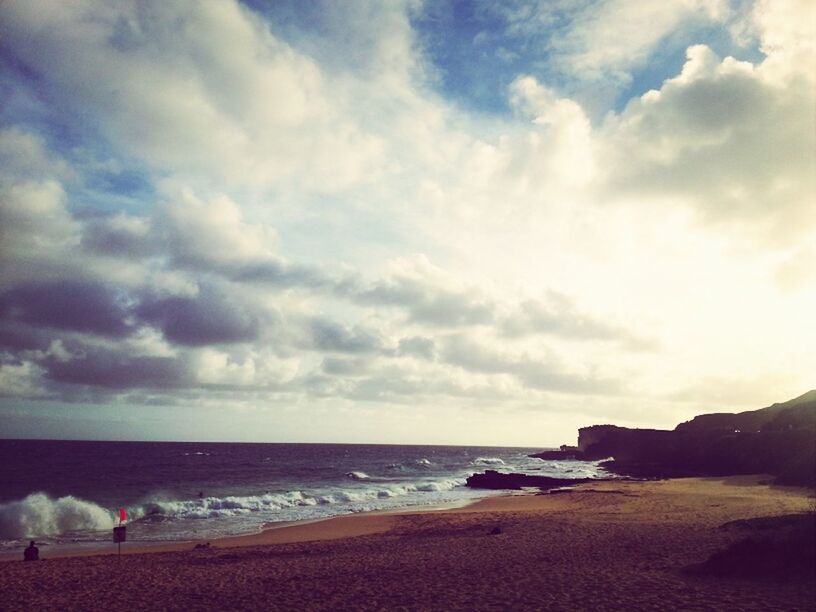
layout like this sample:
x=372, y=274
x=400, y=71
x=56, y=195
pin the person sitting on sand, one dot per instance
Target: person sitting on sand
x=32, y=553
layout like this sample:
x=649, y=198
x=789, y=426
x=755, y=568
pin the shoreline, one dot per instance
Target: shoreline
x=372, y=522
x=306, y=530
x=602, y=546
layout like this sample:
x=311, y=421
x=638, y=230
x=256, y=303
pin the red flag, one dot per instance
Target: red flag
x=122, y=515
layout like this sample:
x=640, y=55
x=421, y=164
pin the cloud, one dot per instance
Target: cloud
x=535, y=373
x=211, y=233
x=34, y=223
x=210, y=317
x=723, y=137
x=559, y=316
x=426, y=294
x=335, y=366
x=118, y=235
x=67, y=305
x=562, y=145
x=417, y=346
x=26, y=157
x=785, y=30
x=332, y=337
x=609, y=39
x=16, y=339
x=303, y=215
x=114, y=370
x=189, y=88
x=593, y=50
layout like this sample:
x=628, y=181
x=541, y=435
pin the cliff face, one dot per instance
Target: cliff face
x=779, y=440
x=794, y=414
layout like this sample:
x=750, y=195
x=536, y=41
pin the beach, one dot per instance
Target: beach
x=601, y=546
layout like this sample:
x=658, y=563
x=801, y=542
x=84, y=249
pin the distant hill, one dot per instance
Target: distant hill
x=793, y=414
x=778, y=440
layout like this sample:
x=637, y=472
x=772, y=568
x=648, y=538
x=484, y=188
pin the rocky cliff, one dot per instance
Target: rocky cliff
x=778, y=440
x=795, y=414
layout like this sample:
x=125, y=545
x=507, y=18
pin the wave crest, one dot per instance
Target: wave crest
x=358, y=476
x=39, y=515
x=213, y=507
x=488, y=461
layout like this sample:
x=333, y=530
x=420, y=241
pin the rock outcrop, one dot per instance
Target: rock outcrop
x=778, y=440
x=798, y=413
x=492, y=479
x=566, y=452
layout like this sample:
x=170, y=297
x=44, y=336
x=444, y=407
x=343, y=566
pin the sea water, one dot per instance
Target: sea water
x=61, y=492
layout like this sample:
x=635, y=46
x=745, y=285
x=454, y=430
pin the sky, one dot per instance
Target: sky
x=443, y=222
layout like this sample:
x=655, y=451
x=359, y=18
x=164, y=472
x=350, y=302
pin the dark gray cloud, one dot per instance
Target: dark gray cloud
x=15, y=337
x=108, y=369
x=278, y=273
x=330, y=336
x=63, y=329
x=68, y=305
x=210, y=317
x=118, y=237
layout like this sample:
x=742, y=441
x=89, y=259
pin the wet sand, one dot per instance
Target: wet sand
x=604, y=546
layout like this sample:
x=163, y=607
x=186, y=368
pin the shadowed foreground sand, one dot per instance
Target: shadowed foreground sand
x=604, y=546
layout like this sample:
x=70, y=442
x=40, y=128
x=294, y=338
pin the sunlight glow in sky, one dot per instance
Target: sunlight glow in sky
x=468, y=222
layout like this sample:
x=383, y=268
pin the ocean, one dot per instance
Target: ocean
x=69, y=492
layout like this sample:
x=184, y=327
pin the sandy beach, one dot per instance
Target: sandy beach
x=603, y=546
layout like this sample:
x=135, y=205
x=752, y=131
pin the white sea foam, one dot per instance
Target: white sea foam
x=358, y=476
x=488, y=461
x=39, y=515
x=215, y=507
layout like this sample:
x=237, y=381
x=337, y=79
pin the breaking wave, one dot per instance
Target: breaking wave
x=39, y=515
x=358, y=476
x=488, y=461
x=214, y=507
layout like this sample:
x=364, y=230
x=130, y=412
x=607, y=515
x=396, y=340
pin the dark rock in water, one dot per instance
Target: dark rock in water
x=495, y=531
x=560, y=455
x=492, y=479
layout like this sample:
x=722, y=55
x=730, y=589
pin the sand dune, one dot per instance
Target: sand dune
x=606, y=546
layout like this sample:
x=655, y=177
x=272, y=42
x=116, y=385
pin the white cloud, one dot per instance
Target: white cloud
x=785, y=29
x=506, y=263
x=562, y=148
x=609, y=39
x=211, y=233
x=24, y=155
x=209, y=92
x=727, y=138
x=595, y=47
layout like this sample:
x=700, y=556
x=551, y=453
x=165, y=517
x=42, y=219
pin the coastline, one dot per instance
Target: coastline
x=381, y=521
x=601, y=546
x=309, y=530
